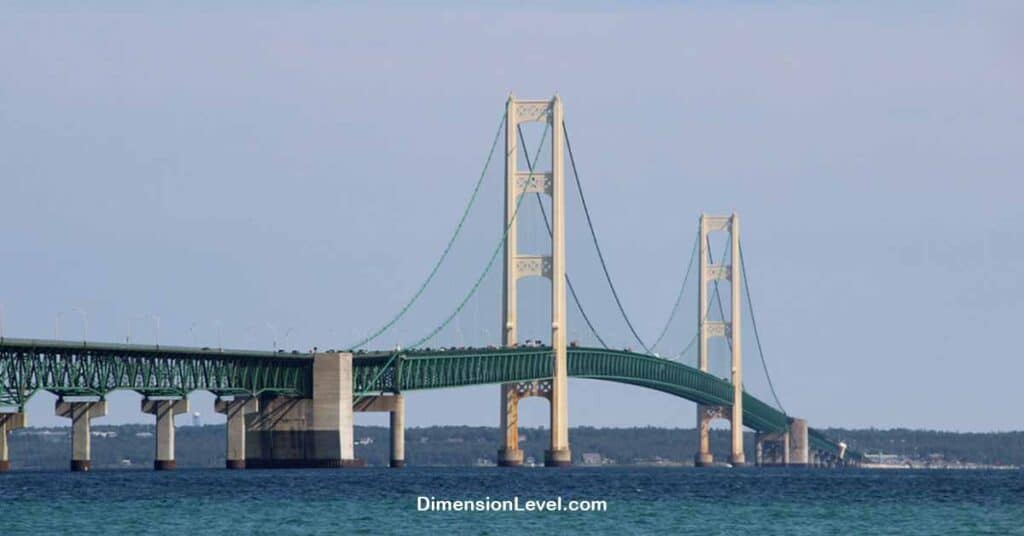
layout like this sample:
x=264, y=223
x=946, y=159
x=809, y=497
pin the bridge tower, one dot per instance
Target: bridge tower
x=552, y=266
x=730, y=329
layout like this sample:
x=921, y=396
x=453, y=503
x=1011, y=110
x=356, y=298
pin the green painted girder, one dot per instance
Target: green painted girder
x=28, y=366
x=417, y=370
x=76, y=369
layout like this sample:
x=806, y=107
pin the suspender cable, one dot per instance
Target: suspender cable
x=757, y=336
x=547, y=224
x=707, y=310
x=458, y=229
x=490, y=262
x=718, y=297
x=679, y=297
x=593, y=235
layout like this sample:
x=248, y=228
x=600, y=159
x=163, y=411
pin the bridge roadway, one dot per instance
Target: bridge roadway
x=95, y=369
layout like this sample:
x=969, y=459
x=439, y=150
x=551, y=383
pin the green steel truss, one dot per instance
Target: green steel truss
x=76, y=369
x=87, y=369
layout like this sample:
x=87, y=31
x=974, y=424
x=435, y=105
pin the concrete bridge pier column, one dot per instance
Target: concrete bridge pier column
x=799, y=446
x=758, y=449
x=81, y=415
x=704, y=458
x=398, y=433
x=293, y=432
x=395, y=406
x=333, y=418
x=236, y=410
x=772, y=449
x=8, y=422
x=165, y=410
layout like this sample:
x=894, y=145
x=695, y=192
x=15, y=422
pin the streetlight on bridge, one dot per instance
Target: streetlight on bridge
x=287, y=332
x=273, y=330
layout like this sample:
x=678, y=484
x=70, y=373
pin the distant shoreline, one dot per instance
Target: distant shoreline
x=131, y=446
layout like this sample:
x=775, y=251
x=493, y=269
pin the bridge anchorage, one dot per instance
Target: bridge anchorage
x=296, y=410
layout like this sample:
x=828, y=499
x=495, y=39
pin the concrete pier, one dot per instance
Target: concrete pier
x=165, y=410
x=81, y=415
x=799, y=443
x=303, y=432
x=398, y=434
x=557, y=458
x=236, y=410
x=395, y=405
x=332, y=409
x=772, y=449
x=703, y=458
x=8, y=422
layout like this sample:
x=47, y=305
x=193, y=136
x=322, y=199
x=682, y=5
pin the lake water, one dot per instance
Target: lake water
x=639, y=501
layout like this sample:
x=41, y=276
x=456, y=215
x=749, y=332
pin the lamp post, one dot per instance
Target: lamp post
x=287, y=332
x=273, y=330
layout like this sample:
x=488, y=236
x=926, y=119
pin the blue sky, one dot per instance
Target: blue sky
x=303, y=166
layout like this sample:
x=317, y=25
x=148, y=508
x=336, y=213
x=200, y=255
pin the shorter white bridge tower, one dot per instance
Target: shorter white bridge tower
x=731, y=330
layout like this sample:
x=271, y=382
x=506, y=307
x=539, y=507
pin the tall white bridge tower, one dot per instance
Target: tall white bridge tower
x=552, y=266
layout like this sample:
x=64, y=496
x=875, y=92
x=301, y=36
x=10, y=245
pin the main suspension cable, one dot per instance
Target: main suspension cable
x=593, y=235
x=757, y=336
x=547, y=224
x=447, y=249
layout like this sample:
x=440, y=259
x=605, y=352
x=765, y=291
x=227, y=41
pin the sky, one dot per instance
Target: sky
x=303, y=165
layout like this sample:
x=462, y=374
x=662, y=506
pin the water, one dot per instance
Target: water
x=640, y=501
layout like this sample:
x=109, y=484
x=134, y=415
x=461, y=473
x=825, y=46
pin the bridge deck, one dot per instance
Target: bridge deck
x=96, y=369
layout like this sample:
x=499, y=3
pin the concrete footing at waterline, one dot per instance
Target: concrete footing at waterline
x=558, y=458
x=9, y=421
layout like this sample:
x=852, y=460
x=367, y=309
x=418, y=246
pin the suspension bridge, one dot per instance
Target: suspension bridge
x=291, y=409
